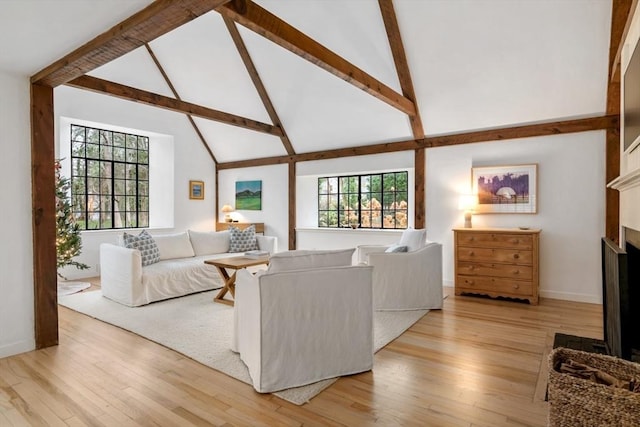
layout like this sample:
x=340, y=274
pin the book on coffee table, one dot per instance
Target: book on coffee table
x=256, y=254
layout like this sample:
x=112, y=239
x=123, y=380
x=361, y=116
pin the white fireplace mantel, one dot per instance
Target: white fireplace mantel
x=626, y=182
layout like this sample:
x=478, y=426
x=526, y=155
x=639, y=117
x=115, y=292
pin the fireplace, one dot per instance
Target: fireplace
x=621, y=295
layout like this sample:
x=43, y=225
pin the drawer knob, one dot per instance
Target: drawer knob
x=516, y=256
x=516, y=272
x=471, y=253
x=469, y=282
x=516, y=286
x=515, y=241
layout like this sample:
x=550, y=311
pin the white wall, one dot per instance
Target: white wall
x=275, y=198
x=191, y=162
x=571, y=205
x=16, y=250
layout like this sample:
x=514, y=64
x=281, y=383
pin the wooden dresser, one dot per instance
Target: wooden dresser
x=497, y=262
x=222, y=226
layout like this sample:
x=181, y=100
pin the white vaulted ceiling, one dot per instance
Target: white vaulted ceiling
x=475, y=64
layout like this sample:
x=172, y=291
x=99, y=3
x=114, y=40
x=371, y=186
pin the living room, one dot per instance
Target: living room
x=329, y=114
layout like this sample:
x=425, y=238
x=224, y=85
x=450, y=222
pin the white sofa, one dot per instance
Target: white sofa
x=405, y=280
x=308, y=317
x=180, y=271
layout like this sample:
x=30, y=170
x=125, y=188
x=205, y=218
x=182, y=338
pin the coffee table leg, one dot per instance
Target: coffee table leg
x=229, y=286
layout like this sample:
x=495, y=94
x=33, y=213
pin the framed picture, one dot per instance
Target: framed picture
x=249, y=195
x=196, y=190
x=505, y=189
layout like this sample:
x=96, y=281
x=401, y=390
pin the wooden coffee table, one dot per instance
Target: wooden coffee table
x=232, y=263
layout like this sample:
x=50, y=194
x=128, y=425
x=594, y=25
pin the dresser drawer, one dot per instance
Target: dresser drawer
x=513, y=256
x=520, y=272
x=495, y=240
x=493, y=284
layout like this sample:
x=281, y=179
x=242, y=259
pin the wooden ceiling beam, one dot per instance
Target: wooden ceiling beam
x=261, y=21
x=177, y=96
x=257, y=81
x=499, y=134
x=621, y=16
x=400, y=60
x=157, y=19
x=118, y=90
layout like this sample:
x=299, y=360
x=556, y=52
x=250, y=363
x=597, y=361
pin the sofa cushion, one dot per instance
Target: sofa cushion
x=242, y=240
x=208, y=243
x=413, y=239
x=305, y=259
x=145, y=244
x=174, y=245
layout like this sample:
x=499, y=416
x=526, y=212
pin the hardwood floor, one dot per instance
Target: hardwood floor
x=477, y=362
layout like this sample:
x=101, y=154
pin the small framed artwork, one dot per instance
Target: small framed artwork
x=249, y=195
x=196, y=190
x=506, y=189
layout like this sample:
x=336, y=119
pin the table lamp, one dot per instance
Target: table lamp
x=467, y=203
x=227, y=209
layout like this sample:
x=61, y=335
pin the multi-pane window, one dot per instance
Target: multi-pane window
x=366, y=201
x=109, y=178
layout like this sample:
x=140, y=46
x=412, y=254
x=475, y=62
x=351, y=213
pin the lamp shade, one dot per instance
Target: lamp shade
x=467, y=202
x=227, y=209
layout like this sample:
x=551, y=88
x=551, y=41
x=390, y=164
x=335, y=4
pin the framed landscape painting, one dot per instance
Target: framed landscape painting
x=249, y=195
x=506, y=189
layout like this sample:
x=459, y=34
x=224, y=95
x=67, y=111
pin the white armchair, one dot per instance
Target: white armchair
x=297, y=327
x=405, y=280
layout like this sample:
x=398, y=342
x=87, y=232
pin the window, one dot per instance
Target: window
x=109, y=178
x=365, y=201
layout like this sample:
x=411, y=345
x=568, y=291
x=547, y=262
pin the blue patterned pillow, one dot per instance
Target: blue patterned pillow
x=243, y=240
x=145, y=244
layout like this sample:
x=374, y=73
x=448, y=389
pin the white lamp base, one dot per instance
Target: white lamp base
x=467, y=219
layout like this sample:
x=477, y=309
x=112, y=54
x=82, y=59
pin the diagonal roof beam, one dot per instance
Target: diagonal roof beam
x=257, y=81
x=129, y=93
x=261, y=21
x=175, y=93
x=158, y=18
x=400, y=59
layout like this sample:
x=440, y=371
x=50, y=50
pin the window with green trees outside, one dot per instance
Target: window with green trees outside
x=378, y=200
x=109, y=178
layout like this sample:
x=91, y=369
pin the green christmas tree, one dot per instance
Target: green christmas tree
x=68, y=240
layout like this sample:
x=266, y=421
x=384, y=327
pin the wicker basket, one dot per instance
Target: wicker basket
x=578, y=402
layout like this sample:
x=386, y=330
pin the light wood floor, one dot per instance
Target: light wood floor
x=478, y=362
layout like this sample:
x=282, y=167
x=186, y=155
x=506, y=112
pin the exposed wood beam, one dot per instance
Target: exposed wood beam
x=402, y=66
x=137, y=95
x=158, y=18
x=177, y=96
x=292, y=205
x=621, y=16
x=420, y=175
x=275, y=29
x=43, y=216
x=257, y=81
x=512, y=132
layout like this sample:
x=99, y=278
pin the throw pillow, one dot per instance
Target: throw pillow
x=396, y=248
x=145, y=244
x=242, y=240
x=413, y=239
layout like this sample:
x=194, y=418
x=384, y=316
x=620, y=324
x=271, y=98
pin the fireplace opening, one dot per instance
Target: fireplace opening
x=621, y=296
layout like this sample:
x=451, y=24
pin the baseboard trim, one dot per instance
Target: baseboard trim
x=17, y=348
x=570, y=296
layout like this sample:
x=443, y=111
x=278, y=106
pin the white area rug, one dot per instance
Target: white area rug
x=68, y=288
x=202, y=330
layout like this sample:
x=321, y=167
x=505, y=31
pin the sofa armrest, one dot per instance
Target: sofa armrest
x=120, y=273
x=363, y=251
x=267, y=243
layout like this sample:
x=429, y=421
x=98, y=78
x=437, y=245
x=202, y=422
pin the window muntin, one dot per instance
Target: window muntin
x=378, y=200
x=109, y=178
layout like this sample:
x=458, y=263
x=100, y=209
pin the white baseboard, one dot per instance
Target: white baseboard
x=18, y=347
x=570, y=296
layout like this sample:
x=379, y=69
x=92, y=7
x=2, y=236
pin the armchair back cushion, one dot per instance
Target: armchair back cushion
x=413, y=239
x=305, y=259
